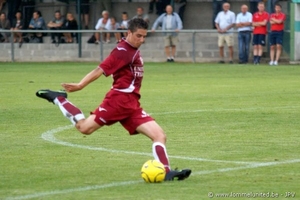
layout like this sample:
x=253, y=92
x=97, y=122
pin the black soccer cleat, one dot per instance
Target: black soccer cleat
x=50, y=95
x=179, y=174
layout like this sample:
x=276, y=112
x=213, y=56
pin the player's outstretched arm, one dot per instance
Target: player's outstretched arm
x=90, y=77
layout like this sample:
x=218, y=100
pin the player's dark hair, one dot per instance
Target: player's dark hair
x=124, y=13
x=277, y=4
x=137, y=23
x=57, y=11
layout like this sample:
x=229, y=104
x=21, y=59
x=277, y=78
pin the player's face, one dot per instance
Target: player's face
x=137, y=38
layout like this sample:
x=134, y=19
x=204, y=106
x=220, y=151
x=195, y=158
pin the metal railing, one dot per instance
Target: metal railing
x=79, y=42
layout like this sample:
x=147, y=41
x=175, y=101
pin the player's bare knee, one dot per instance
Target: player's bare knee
x=164, y=138
x=160, y=136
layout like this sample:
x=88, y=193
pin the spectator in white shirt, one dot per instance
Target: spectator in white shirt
x=124, y=24
x=244, y=25
x=114, y=25
x=225, y=22
x=103, y=24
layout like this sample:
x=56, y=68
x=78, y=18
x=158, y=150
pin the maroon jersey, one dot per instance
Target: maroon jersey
x=125, y=64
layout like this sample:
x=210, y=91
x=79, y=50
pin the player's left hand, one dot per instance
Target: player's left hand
x=71, y=87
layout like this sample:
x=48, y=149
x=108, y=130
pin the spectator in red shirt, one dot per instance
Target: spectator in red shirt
x=259, y=23
x=276, y=36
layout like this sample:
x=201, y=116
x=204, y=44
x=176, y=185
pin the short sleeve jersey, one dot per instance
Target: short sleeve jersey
x=102, y=25
x=225, y=19
x=125, y=65
x=260, y=17
x=278, y=27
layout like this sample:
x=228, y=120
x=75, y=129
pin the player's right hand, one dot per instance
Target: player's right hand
x=71, y=87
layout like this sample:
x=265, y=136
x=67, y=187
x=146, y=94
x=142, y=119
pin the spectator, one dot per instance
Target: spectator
x=253, y=5
x=18, y=24
x=179, y=7
x=56, y=24
x=276, y=37
x=27, y=6
x=103, y=24
x=124, y=24
x=225, y=22
x=70, y=24
x=140, y=14
x=244, y=25
x=85, y=10
x=114, y=25
x=37, y=23
x=105, y=5
x=217, y=7
x=13, y=7
x=4, y=25
x=259, y=22
x=169, y=21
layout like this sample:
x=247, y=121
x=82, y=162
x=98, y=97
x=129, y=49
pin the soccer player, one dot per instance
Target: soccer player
x=276, y=36
x=121, y=103
x=259, y=22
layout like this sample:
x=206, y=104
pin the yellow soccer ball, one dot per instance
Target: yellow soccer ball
x=153, y=171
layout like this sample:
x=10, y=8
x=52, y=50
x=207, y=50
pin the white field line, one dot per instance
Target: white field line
x=71, y=190
x=226, y=109
x=49, y=136
x=117, y=184
x=250, y=166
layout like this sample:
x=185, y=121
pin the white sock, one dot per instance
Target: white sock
x=160, y=153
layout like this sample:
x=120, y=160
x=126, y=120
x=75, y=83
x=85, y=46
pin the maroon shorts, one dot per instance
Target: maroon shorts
x=121, y=107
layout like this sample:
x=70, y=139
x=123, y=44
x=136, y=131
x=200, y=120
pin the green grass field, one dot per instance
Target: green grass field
x=236, y=126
